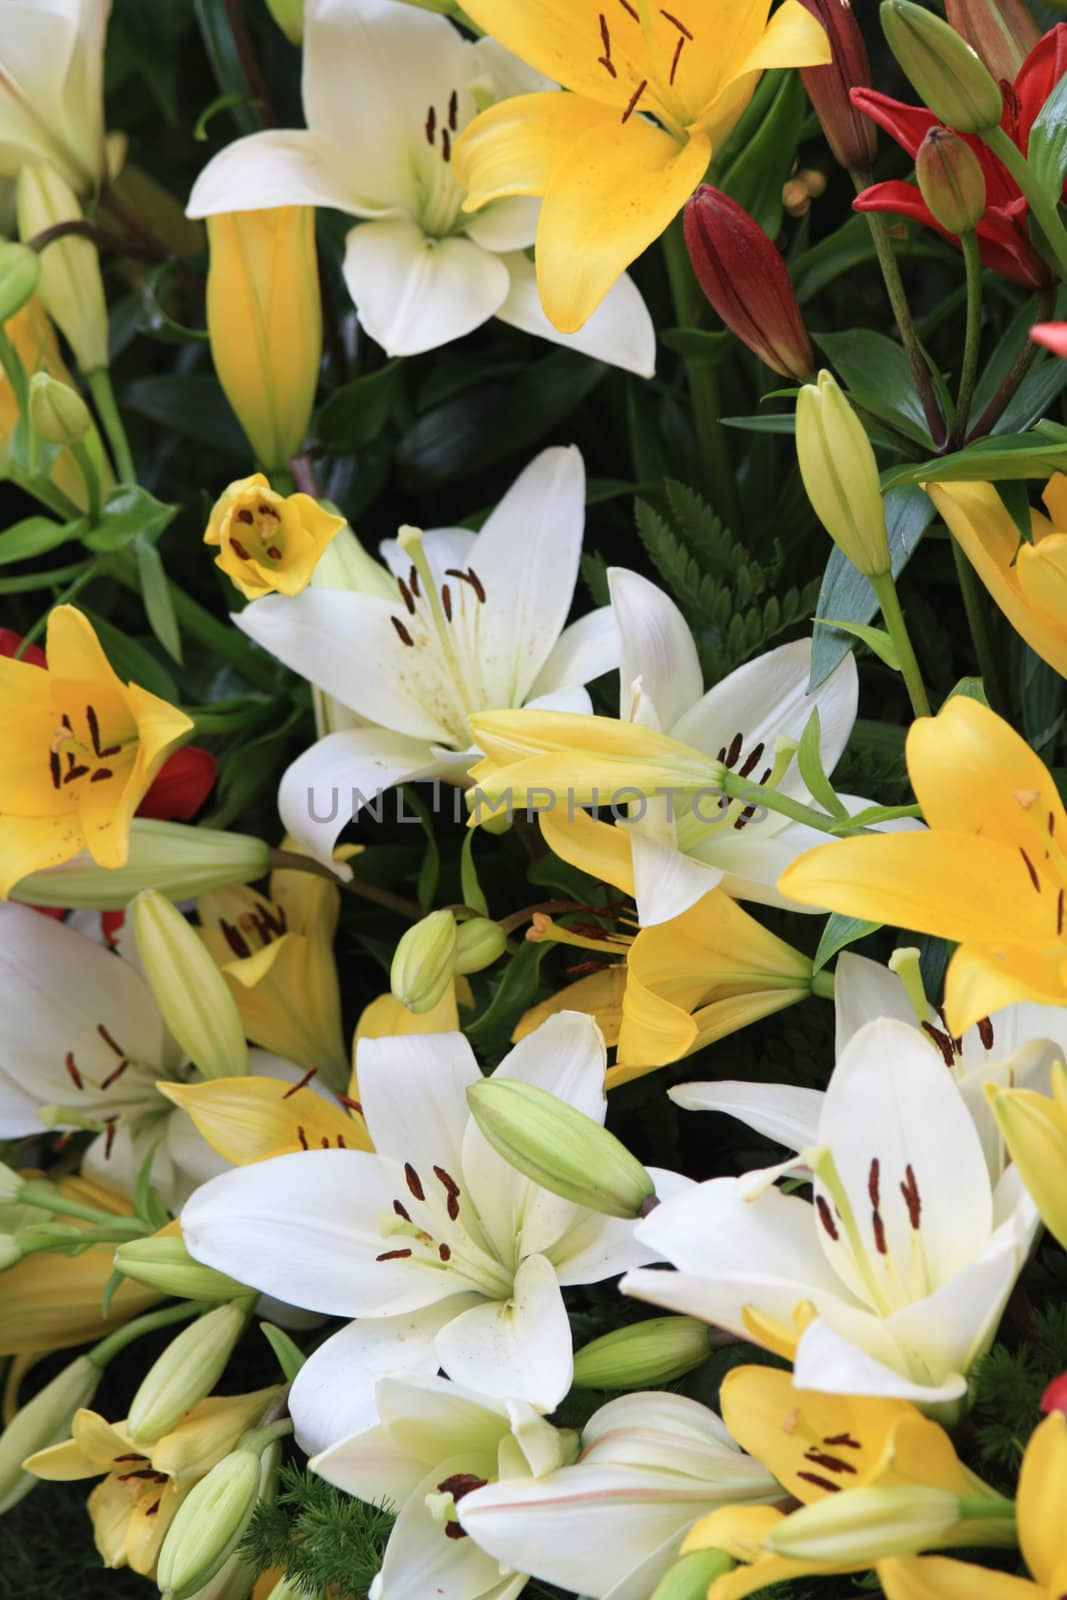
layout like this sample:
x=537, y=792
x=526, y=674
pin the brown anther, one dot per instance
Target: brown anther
x=405, y=637
x=109, y=1135
x=453, y=110
x=471, y=577
x=413, y=581
x=75, y=772
x=750, y=760
x=910, y=1190
x=675, y=22
x=444, y=1252
x=131, y=1455
x=112, y=1076
x=100, y=774
x=629, y=9
x=324, y=1142
x=831, y=1463
x=430, y=125
x=843, y=1441
x=268, y=511
x=1031, y=869
x=235, y=940
x=341, y=1142
x=302, y=1136
x=407, y=596
x=745, y=818
x=873, y=1183
x=111, y=1043
x=244, y=515
x=301, y=1083
x=446, y=145
x=54, y=768
x=943, y=1043
x=401, y=1210
x=631, y=104
x=819, y=1482
x=605, y=60
x=1059, y=912
x=151, y=1510
x=393, y=1255
x=675, y=59
x=454, y=1530
x=413, y=1181
x=239, y=549
x=274, y=553
x=446, y=601
x=460, y=1484
x=353, y=1105
x=826, y=1216
x=985, y=1027
x=734, y=750
x=72, y=1071
x=94, y=733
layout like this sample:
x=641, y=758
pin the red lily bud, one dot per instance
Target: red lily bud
x=951, y=181
x=1002, y=32
x=747, y=282
x=9, y=643
x=181, y=786
x=848, y=132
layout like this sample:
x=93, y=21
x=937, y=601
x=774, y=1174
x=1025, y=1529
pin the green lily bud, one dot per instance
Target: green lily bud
x=948, y=76
x=645, y=1355
x=689, y=1578
x=57, y=412
x=479, y=942
x=163, y=1262
x=896, y=1519
x=951, y=180
x=179, y=861
x=560, y=1147
x=41, y=1422
x=289, y=15
x=423, y=965
x=189, y=987
x=840, y=475
x=11, y=1185
x=211, y=1521
x=70, y=283
x=186, y=1372
x=10, y=1251
x=20, y=270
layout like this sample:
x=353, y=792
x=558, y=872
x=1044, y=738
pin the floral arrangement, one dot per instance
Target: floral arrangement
x=533, y=872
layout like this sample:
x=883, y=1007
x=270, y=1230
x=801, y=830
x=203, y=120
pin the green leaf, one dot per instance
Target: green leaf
x=225, y=61
x=356, y=414
x=850, y=246
x=754, y=177
x=1041, y=692
x=1015, y=496
x=515, y=993
x=147, y=1202
x=192, y=405
x=697, y=344
x=290, y=1356
x=809, y=762
x=1027, y=455
x=130, y=513
x=34, y=536
x=772, y=422
x=970, y=689
x=878, y=377
x=430, y=869
x=838, y=932
x=875, y=639
x=473, y=894
x=157, y=321
x=130, y=659
x=847, y=594
x=156, y=596
x=114, y=1281
x=1047, y=149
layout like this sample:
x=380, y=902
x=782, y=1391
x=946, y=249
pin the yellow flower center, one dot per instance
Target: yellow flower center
x=257, y=531
x=441, y=624
x=76, y=758
x=254, y=929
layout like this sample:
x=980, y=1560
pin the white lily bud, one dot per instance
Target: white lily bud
x=560, y=1147
x=423, y=965
x=645, y=1355
x=70, y=284
x=186, y=1372
x=211, y=1521
x=173, y=858
x=190, y=990
x=162, y=1262
x=41, y=1422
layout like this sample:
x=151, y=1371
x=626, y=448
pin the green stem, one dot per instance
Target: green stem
x=99, y=382
x=47, y=1198
x=91, y=478
x=45, y=491
x=27, y=582
x=738, y=788
x=972, y=262
x=719, y=479
x=77, y=584
x=293, y=861
x=1026, y=355
x=1045, y=207
x=893, y=617
x=920, y=372
x=978, y=623
x=11, y=362
x=822, y=984
x=116, y=1342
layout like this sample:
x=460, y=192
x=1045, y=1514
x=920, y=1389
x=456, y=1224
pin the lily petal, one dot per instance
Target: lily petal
x=322, y=791
x=620, y=330
x=514, y=1349
x=413, y=292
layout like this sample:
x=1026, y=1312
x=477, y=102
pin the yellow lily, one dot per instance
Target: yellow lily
x=251, y=1119
x=268, y=541
x=145, y=1483
x=653, y=91
x=1041, y=1497
x=989, y=873
x=1027, y=581
x=276, y=953
x=829, y=1450
x=1035, y=1132
x=81, y=749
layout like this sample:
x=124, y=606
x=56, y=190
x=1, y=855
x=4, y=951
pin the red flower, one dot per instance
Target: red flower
x=9, y=643
x=1002, y=234
x=1055, y=1396
x=182, y=785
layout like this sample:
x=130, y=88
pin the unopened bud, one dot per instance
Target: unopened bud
x=1055, y=1396
x=947, y=75
x=178, y=861
x=423, y=965
x=951, y=180
x=10, y=1251
x=20, y=270
x=208, y=1525
x=11, y=1185
x=189, y=988
x=646, y=1355
x=867, y=1523
x=479, y=942
x=747, y=282
x=850, y=135
x=559, y=1147
x=1002, y=32
x=689, y=1578
x=186, y=1372
x=41, y=1422
x=57, y=412
x=840, y=475
x=289, y=15
x=163, y=1262
x=70, y=282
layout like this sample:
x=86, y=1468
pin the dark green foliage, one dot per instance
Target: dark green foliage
x=1008, y=1385
x=318, y=1536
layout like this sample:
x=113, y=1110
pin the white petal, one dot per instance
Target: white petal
x=527, y=558
x=305, y=1227
x=413, y=1089
x=290, y=167
x=657, y=646
x=584, y=651
x=517, y=1349
x=505, y=225
x=565, y=1056
x=422, y=1562
x=442, y=547
x=413, y=292
x=863, y=991
x=826, y=1361
x=322, y=791
x=667, y=882
x=780, y=1111
x=371, y=1465
x=753, y=858
x=620, y=331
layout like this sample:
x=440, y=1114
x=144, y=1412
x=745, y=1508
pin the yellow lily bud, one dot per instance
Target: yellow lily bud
x=41, y=1422
x=170, y=857
x=210, y=1523
x=70, y=285
x=57, y=412
x=20, y=272
x=163, y=1262
x=1035, y=1132
x=892, y=1519
x=559, y=1147
x=268, y=541
x=479, y=942
x=645, y=1355
x=423, y=963
x=289, y=15
x=186, y=1372
x=189, y=988
x=841, y=475
x=947, y=75
x=265, y=322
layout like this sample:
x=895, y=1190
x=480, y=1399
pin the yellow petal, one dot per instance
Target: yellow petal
x=1042, y=1498
x=249, y=1119
x=29, y=844
x=208, y=1432
x=741, y=1531
x=1033, y=1131
x=939, y=1578
x=598, y=995
x=1041, y=570
x=64, y=1463
x=52, y=1301
x=1055, y=497
x=599, y=848
x=386, y=1015
x=793, y=38
x=917, y=1450
x=981, y=980
x=563, y=39
x=147, y=1524
x=515, y=146
x=110, y=1507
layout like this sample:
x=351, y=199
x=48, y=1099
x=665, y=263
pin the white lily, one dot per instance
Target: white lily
x=896, y=1277
x=433, y=1445
x=611, y=1524
x=1016, y=1049
x=85, y=1046
x=51, y=87
x=680, y=849
x=445, y=1253
x=387, y=90
x=454, y=623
